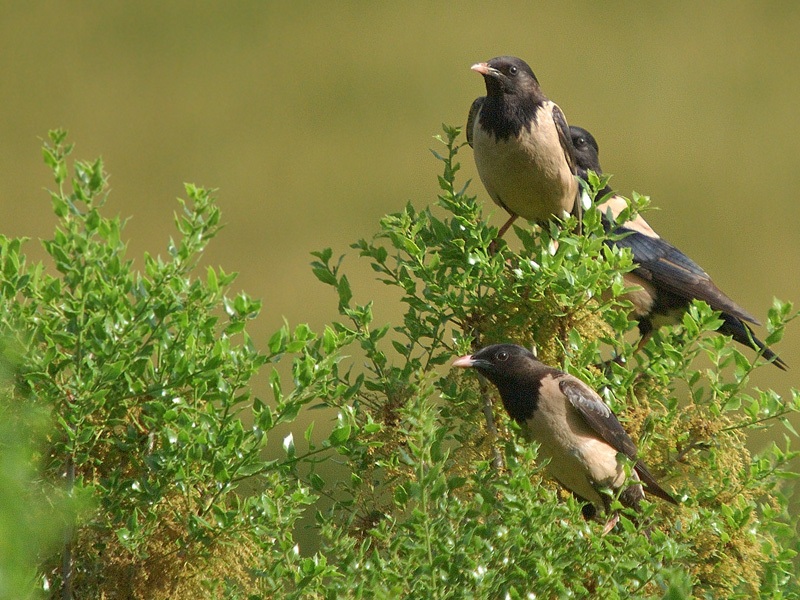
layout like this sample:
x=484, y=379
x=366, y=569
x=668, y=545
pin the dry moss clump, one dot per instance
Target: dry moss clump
x=167, y=566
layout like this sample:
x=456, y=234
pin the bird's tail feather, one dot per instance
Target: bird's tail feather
x=739, y=331
x=651, y=485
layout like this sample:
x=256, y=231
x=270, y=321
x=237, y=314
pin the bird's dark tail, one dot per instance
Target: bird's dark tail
x=739, y=331
x=651, y=485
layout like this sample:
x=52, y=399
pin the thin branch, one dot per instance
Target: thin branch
x=66, y=558
x=488, y=414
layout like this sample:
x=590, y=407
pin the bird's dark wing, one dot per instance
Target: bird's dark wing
x=667, y=268
x=604, y=422
x=473, y=114
x=598, y=416
x=564, y=137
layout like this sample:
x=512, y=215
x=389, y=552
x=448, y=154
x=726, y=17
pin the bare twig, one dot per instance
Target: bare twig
x=488, y=414
x=66, y=559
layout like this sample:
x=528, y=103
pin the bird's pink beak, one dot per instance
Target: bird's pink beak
x=482, y=68
x=465, y=362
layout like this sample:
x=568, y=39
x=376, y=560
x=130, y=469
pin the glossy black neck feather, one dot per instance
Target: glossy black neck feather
x=521, y=390
x=520, y=401
x=505, y=115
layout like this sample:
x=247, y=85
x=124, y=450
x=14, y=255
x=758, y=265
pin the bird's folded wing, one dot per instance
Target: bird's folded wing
x=670, y=269
x=598, y=416
x=563, y=136
x=473, y=114
x=604, y=422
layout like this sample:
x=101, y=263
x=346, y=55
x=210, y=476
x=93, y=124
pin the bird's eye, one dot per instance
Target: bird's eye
x=502, y=356
x=512, y=70
x=580, y=142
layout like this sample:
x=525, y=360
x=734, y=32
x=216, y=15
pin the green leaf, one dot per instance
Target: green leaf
x=277, y=342
x=325, y=275
x=400, y=495
x=788, y=425
x=339, y=435
x=211, y=279
x=288, y=445
x=343, y=288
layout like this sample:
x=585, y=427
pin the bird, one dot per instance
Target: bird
x=667, y=280
x=521, y=142
x=575, y=429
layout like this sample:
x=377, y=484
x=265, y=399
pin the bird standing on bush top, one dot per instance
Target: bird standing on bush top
x=522, y=145
x=574, y=427
x=669, y=280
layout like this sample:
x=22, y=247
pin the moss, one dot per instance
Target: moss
x=165, y=566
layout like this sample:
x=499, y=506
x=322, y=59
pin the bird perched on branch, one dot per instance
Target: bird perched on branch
x=576, y=431
x=669, y=280
x=522, y=145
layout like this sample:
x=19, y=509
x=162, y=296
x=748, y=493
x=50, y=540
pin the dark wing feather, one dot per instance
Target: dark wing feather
x=473, y=114
x=605, y=423
x=651, y=484
x=564, y=137
x=598, y=416
x=668, y=268
x=567, y=146
x=740, y=332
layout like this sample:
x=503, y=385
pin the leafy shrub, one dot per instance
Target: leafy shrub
x=146, y=377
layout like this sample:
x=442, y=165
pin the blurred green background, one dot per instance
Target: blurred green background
x=315, y=119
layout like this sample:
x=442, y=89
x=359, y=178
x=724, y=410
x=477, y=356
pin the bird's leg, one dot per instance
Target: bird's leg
x=614, y=518
x=643, y=341
x=605, y=366
x=501, y=233
x=579, y=213
x=506, y=226
x=611, y=523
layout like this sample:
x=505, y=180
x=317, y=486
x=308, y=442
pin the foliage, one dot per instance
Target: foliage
x=146, y=375
x=34, y=513
x=147, y=378
x=455, y=524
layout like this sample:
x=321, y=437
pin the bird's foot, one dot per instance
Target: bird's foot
x=611, y=523
x=606, y=365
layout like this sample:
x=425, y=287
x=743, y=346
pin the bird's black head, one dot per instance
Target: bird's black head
x=587, y=153
x=508, y=75
x=516, y=373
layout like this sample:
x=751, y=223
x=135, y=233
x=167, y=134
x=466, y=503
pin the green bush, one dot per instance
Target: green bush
x=146, y=377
